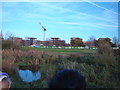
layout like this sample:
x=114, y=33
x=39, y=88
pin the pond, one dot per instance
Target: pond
x=29, y=73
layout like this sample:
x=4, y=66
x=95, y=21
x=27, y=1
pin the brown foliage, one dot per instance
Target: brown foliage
x=104, y=54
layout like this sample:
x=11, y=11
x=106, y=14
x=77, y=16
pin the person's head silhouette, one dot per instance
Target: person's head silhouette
x=68, y=78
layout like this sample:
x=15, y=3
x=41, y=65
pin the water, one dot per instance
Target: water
x=29, y=74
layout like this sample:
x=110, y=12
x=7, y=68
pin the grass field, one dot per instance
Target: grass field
x=66, y=51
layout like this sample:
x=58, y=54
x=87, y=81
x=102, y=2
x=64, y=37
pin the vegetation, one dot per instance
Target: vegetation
x=76, y=42
x=100, y=69
x=103, y=41
x=8, y=44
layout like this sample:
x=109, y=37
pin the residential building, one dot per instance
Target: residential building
x=30, y=41
x=57, y=42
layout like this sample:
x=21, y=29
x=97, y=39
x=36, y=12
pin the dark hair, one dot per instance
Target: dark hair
x=68, y=78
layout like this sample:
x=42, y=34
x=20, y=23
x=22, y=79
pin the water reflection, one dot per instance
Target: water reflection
x=29, y=73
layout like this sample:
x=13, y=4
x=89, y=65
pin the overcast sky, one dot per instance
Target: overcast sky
x=61, y=19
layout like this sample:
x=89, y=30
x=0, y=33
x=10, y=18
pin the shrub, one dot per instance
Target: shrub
x=7, y=44
x=105, y=55
x=117, y=52
x=105, y=49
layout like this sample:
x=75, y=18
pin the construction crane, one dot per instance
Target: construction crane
x=44, y=29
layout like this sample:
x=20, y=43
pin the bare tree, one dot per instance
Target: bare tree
x=92, y=38
x=92, y=41
x=9, y=41
x=8, y=35
x=115, y=40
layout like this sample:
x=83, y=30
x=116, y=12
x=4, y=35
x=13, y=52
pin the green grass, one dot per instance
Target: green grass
x=56, y=50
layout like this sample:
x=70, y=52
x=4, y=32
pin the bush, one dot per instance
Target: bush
x=105, y=49
x=105, y=55
x=117, y=52
x=7, y=44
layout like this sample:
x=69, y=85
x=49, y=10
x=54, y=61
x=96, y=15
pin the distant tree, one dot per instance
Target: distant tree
x=115, y=40
x=8, y=36
x=76, y=42
x=6, y=44
x=9, y=42
x=91, y=39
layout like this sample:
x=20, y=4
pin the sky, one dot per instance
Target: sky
x=61, y=19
